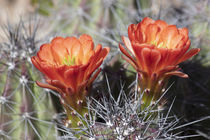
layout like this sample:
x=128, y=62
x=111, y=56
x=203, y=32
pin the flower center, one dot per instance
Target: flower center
x=69, y=61
x=158, y=45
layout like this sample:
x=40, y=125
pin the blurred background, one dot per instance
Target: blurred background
x=29, y=112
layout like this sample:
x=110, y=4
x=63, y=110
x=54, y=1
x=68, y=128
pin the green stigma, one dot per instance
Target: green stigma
x=68, y=61
x=160, y=45
x=154, y=43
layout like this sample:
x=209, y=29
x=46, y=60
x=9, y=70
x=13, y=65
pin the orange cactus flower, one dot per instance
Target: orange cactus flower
x=68, y=64
x=155, y=49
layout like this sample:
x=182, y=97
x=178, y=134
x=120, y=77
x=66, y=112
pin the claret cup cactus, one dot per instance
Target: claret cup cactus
x=68, y=64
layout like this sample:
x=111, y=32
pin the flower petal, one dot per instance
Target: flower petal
x=48, y=86
x=138, y=53
x=131, y=33
x=177, y=73
x=59, y=51
x=87, y=42
x=161, y=24
x=150, y=57
x=151, y=32
x=127, y=43
x=126, y=53
x=45, y=53
x=189, y=54
x=167, y=35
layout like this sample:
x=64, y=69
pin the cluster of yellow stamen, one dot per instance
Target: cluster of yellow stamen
x=158, y=45
x=69, y=61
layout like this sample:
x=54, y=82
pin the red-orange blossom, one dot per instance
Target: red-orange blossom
x=68, y=63
x=70, y=66
x=155, y=49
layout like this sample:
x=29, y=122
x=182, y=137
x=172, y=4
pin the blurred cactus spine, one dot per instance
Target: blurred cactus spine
x=17, y=99
x=3, y=101
x=27, y=108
